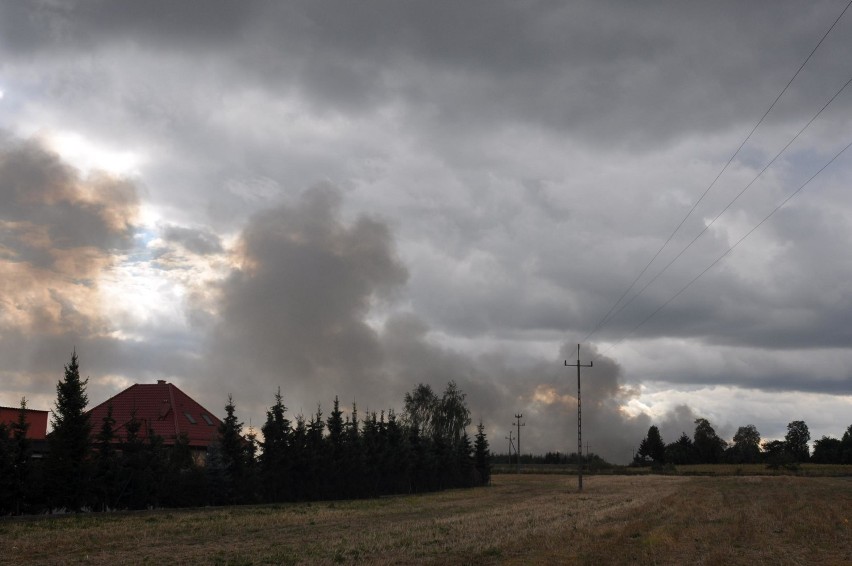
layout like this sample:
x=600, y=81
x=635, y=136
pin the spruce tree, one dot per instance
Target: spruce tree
x=67, y=467
x=106, y=464
x=299, y=465
x=233, y=453
x=6, y=470
x=21, y=463
x=399, y=455
x=335, y=472
x=275, y=461
x=131, y=494
x=482, y=456
x=250, y=484
x=652, y=447
x=315, y=458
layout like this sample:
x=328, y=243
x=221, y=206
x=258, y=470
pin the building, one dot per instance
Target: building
x=36, y=419
x=36, y=432
x=162, y=409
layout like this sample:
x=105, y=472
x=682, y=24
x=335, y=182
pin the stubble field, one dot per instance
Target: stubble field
x=526, y=519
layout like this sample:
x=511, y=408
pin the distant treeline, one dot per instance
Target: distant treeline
x=590, y=461
x=706, y=447
x=87, y=467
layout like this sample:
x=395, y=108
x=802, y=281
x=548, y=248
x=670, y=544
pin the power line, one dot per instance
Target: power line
x=710, y=186
x=735, y=199
x=729, y=250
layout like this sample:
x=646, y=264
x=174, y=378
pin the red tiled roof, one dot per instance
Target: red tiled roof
x=37, y=420
x=163, y=408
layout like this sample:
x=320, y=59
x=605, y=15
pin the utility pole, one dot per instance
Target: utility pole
x=511, y=447
x=518, y=422
x=579, y=421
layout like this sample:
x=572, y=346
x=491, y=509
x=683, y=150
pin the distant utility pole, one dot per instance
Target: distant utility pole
x=518, y=422
x=511, y=447
x=579, y=421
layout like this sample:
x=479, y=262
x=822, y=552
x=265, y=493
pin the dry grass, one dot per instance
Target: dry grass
x=519, y=520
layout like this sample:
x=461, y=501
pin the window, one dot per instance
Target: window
x=189, y=418
x=207, y=419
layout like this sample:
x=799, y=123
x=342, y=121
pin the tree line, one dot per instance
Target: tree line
x=88, y=466
x=706, y=447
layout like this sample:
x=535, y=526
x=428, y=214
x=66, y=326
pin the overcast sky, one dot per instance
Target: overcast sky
x=350, y=198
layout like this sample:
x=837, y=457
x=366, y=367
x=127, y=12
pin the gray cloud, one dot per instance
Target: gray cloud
x=59, y=231
x=295, y=309
x=202, y=242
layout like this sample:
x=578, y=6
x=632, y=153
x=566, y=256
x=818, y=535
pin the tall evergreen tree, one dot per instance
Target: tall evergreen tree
x=299, y=470
x=316, y=457
x=652, y=447
x=183, y=481
x=275, y=461
x=21, y=460
x=335, y=472
x=132, y=492
x=482, y=456
x=354, y=455
x=233, y=453
x=250, y=484
x=399, y=456
x=6, y=471
x=106, y=464
x=67, y=468
x=681, y=451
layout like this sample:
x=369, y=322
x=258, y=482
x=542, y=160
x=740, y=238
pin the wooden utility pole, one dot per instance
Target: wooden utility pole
x=511, y=447
x=579, y=421
x=518, y=422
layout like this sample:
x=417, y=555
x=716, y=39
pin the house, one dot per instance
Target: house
x=163, y=409
x=36, y=419
x=36, y=432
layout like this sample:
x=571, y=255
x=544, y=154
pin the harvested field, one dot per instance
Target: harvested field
x=519, y=520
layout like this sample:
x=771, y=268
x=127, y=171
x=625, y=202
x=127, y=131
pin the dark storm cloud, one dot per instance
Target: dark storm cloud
x=28, y=28
x=583, y=68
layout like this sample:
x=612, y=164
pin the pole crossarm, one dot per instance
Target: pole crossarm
x=579, y=419
x=517, y=422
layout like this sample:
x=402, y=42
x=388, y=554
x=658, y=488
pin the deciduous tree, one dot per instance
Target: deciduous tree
x=797, y=439
x=746, y=447
x=708, y=446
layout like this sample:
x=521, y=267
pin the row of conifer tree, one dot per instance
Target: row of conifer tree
x=89, y=467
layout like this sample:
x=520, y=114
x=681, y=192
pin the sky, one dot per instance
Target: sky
x=351, y=198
